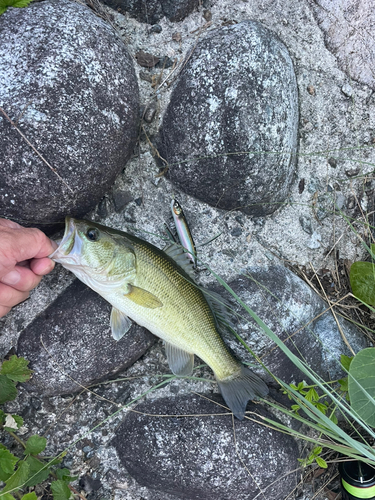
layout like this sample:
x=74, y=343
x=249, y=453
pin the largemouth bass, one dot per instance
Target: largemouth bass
x=153, y=287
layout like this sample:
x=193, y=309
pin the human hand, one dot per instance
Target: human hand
x=23, y=262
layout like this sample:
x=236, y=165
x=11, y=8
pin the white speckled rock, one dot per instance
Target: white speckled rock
x=70, y=344
x=198, y=458
x=288, y=306
x=236, y=93
x=153, y=10
x=68, y=81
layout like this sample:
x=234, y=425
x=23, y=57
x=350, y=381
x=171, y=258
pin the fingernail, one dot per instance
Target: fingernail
x=11, y=278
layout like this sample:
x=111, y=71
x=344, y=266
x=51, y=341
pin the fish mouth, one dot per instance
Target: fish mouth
x=69, y=249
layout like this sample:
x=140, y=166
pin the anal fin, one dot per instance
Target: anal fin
x=180, y=362
x=120, y=323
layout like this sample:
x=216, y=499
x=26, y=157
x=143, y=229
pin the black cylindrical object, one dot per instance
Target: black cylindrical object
x=357, y=480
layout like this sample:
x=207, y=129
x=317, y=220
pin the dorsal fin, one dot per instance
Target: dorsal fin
x=221, y=309
x=178, y=254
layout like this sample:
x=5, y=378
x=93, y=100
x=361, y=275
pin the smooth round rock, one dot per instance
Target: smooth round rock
x=293, y=311
x=237, y=93
x=199, y=457
x=68, y=83
x=78, y=346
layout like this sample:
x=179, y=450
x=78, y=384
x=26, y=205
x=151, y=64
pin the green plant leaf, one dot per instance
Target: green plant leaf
x=6, y=496
x=7, y=464
x=312, y=395
x=362, y=281
x=8, y=390
x=60, y=490
x=30, y=496
x=35, y=445
x=16, y=369
x=64, y=474
x=362, y=377
x=20, y=3
x=343, y=384
x=4, y=4
x=345, y=361
x=317, y=451
x=322, y=407
x=36, y=474
x=321, y=462
x=19, y=420
x=18, y=478
x=333, y=418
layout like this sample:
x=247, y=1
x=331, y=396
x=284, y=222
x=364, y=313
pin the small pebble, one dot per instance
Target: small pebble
x=121, y=199
x=306, y=224
x=207, y=15
x=146, y=60
x=239, y=220
x=138, y=201
x=311, y=90
x=315, y=241
x=176, y=37
x=314, y=185
x=150, y=111
x=237, y=231
x=332, y=162
x=352, y=172
x=156, y=28
x=350, y=204
x=347, y=90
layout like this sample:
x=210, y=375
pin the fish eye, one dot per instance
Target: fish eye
x=92, y=234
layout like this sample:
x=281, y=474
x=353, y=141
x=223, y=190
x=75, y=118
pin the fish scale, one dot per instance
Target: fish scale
x=191, y=320
x=147, y=285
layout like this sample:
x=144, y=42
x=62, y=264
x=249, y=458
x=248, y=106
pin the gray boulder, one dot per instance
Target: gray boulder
x=153, y=10
x=237, y=93
x=198, y=458
x=79, y=349
x=291, y=309
x=68, y=82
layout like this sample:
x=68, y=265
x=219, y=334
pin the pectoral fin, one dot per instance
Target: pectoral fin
x=120, y=323
x=142, y=297
x=180, y=362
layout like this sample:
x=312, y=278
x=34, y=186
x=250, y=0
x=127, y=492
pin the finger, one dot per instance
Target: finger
x=10, y=297
x=22, y=244
x=42, y=266
x=4, y=310
x=21, y=278
x=9, y=223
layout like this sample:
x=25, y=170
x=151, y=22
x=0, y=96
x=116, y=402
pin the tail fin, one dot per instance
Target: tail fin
x=239, y=390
